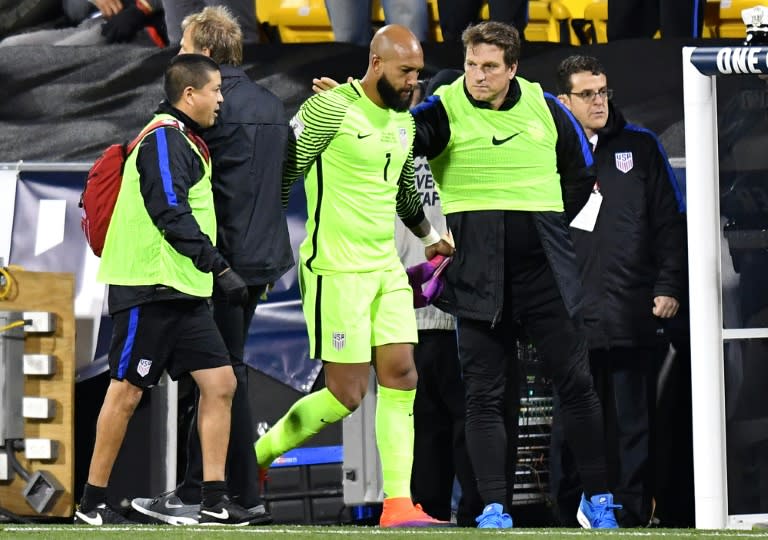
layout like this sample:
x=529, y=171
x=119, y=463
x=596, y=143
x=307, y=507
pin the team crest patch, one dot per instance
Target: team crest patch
x=624, y=161
x=144, y=367
x=403, y=138
x=339, y=340
x=297, y=126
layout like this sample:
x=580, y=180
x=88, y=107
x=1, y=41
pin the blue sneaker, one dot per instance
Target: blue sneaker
x=493, y=517
x=597, y=512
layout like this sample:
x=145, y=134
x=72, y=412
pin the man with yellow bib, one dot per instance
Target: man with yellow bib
x=160, y=262
x=505, y=158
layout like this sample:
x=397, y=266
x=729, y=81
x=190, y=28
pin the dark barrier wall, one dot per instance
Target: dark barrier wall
x=68, y=103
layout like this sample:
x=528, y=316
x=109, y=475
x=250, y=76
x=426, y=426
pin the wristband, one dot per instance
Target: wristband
x=433, y=237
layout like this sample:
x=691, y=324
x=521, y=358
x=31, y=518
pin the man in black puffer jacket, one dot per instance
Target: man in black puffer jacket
x=630, y=243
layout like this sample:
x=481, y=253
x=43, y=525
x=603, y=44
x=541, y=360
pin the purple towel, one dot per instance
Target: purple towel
x=426, y=280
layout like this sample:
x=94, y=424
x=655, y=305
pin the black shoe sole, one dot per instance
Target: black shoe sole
x=261, y=520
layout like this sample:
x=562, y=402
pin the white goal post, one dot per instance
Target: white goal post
x=701, y=65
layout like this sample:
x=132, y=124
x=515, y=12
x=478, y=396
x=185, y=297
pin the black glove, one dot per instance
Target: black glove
x=156, y=20
x=124, y=26
x=233, y=287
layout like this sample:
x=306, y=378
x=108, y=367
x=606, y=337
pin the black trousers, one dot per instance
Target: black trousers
x=532, y=302
x=439, y=448
x=641, y=18
x=675, y=504
x=456, y=15
x=242, y=471
x=626, y=380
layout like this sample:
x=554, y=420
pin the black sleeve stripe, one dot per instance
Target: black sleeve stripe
x=408, y=200
x=321, y=116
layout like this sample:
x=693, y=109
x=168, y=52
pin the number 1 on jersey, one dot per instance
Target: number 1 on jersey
x=386, y=165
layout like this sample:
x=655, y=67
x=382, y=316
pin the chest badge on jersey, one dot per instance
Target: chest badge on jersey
x=403, y=138
x=624, y=161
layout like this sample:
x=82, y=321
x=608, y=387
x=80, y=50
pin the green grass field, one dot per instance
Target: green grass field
x=142, y=532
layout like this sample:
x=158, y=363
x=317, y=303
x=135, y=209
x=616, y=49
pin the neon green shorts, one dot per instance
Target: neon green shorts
x=348, y=313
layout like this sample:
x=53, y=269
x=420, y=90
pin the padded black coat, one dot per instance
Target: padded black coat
x=638, y=248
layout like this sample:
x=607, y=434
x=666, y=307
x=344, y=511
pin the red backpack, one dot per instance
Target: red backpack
x=103, y=184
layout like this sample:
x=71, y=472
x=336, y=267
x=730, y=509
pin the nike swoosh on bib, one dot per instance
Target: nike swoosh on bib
x=361, y=136
x=221, y=515
x=497, y=142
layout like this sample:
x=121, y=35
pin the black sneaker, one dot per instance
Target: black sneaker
x=225, y=512
x=259, y=515
x=168, y=508
x=101, y=515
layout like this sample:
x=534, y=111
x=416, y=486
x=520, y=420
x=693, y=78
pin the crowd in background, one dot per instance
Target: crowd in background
x=157, y=22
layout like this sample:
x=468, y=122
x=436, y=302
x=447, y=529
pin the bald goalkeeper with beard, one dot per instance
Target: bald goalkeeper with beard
x=354, y=148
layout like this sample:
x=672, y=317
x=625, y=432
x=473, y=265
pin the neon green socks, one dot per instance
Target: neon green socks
x=394, y=432
x=394, y=438
x=305, y=418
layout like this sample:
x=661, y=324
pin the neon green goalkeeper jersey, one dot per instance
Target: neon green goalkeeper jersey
x=357, y=161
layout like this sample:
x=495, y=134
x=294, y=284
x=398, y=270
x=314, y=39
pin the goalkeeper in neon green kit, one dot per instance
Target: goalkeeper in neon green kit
x=354, y=148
